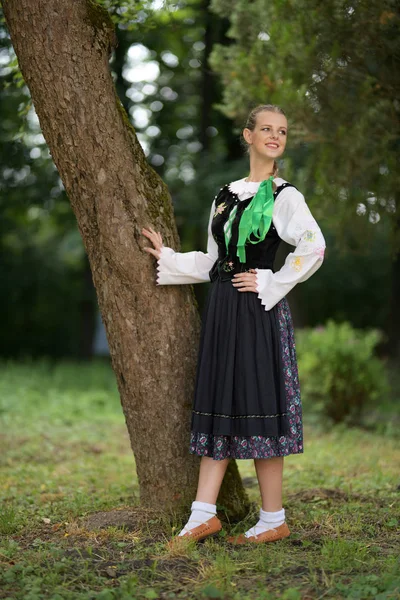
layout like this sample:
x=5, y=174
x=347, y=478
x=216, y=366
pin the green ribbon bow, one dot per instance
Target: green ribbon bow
x=256, y=219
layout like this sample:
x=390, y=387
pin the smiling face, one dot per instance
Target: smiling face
x=268, y=139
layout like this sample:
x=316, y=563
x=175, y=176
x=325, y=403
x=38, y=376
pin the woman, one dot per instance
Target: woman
x=247, y=396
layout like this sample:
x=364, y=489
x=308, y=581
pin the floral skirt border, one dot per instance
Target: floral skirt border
x=244, y=447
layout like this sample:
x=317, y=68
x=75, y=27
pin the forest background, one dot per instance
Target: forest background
x=187, y=75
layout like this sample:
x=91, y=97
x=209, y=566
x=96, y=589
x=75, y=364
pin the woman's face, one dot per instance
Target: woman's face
x=268, y=138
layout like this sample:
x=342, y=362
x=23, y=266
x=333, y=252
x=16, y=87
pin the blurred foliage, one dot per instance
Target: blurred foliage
x=352, y=284
x=340, y=374
x=188, y=118
x=334, y=67
x=41, y=253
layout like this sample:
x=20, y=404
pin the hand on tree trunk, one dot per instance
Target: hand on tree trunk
x=156, y=240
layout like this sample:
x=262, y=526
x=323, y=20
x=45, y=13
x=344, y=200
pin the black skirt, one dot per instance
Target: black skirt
x=240, y=383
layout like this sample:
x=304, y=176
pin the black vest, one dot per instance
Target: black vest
x=260, y=255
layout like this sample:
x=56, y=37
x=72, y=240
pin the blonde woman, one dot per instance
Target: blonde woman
x=247, y=396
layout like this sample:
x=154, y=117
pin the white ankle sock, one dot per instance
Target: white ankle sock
x=201, y=512
x=268, y=520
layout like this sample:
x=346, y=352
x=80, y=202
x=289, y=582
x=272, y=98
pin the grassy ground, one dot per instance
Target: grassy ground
x=65, y=458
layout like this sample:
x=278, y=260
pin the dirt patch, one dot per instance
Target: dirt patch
x=130, y=519
x=109, y=563
x=335, y=495
x=318, y=494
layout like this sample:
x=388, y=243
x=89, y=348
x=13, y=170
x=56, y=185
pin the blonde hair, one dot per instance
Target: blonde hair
x=251, y=123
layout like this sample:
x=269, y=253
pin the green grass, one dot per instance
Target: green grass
x=71, y=526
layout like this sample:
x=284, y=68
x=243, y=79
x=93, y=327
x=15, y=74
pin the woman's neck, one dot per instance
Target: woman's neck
x=256, y=179
x=260, y=171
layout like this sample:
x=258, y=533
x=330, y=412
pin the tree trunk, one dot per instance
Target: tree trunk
x=63, y=49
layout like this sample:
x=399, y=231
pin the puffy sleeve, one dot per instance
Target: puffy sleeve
x=187, y=267
x=296, y=226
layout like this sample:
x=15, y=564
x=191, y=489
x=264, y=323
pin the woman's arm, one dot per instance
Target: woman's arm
x=187, y=267
x=296, y=226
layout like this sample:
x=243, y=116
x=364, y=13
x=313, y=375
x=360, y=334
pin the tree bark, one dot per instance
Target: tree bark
x=63, y=49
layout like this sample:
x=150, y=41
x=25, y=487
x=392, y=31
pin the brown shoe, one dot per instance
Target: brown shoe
x=271, y=535
x=209, y=528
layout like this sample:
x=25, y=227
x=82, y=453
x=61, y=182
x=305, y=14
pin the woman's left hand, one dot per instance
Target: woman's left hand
x=246, y=281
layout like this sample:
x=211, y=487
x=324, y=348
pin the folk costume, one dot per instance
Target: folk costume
x=247, y=397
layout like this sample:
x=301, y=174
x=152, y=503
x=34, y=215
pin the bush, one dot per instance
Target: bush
x=339, y=373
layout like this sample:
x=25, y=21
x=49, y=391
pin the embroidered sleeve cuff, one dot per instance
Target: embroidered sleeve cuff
x=272, y=287
x=268, y=293
x=166, y=266
x=174, y=268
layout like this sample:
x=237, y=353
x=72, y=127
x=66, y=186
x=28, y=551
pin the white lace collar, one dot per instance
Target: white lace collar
x=244, y=189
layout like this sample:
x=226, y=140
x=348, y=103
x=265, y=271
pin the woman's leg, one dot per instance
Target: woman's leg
x=270, y=476
x=210, y=478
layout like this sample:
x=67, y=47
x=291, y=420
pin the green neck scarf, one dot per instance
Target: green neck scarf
x=256, y=219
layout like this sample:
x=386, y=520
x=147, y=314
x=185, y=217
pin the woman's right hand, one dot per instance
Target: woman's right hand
x=156, y=240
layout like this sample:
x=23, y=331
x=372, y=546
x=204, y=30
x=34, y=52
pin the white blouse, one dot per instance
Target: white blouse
x=294, y=224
